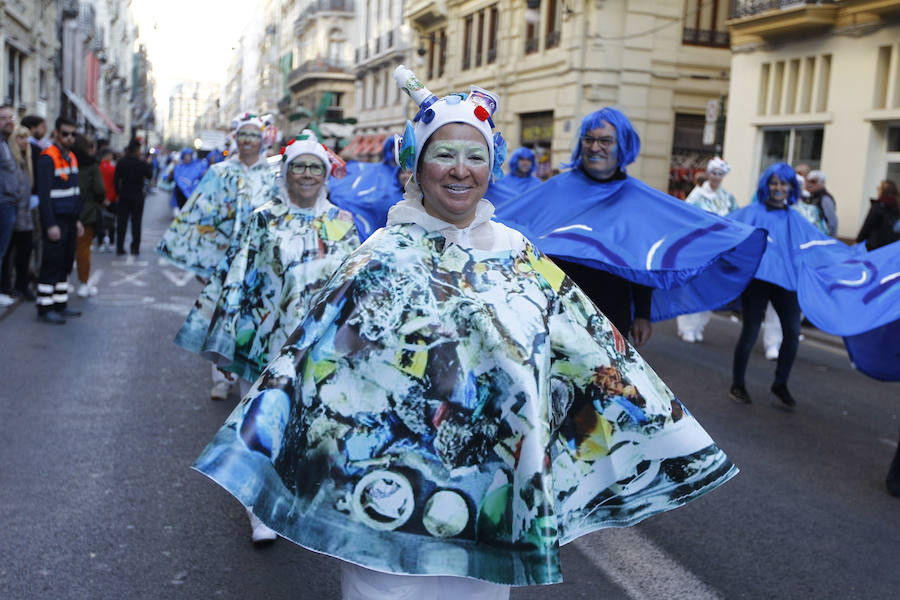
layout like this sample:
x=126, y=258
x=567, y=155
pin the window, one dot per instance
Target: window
x=792, y=145
x=479, y=40
x=553, y=18
x=704, y=23
x=442, y=62
x=467, y=42
x=531, y=39
x=793, y=86
x=492, y=35
x=14, y=60
x=336, y=40
x=431, y=56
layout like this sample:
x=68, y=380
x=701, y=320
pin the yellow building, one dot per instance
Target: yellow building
x=816, y=83
x=554, y=61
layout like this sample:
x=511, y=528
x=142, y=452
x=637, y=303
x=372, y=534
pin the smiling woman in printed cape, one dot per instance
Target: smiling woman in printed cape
x=453, y=408
x=261, y=290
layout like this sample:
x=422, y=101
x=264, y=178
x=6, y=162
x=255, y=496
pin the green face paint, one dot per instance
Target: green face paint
x=457, y=152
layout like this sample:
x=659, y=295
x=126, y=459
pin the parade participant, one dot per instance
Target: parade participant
x=262, y=289
x=213, y=216
x=93, y=193
x=18, y=253
x=186, y=176
x=373, y=190
x=132, y=173
x=842, y=290
x=60, y=206
x=618, y=237
x=711, y=197
x=453, y=408
x=522, y=165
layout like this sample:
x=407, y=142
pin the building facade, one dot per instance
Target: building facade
x=385, y=41
x=29, y=41
x=189, y=109
x=554, y=61
x=817, y=83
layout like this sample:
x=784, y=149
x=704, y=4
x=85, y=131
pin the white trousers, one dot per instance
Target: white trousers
x=771, y=329
x=359, y=583
x=693, y=323
x=218, y=376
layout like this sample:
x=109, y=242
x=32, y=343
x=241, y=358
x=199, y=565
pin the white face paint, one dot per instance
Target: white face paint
x=449, y=153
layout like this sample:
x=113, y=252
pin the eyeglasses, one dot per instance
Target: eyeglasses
x=605, y=142
x=66, y=134
x=253, y=137
x=315, y=169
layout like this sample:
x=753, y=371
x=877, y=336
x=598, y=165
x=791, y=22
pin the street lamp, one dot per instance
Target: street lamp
x=532, y=12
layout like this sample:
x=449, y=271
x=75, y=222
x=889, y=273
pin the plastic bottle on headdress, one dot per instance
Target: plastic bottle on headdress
x=409, y=83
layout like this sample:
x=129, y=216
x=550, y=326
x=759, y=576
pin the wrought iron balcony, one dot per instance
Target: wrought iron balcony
x=748, y=8
x=705, y=37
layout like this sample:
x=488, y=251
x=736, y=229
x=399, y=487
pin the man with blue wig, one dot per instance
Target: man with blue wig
x=618, y=238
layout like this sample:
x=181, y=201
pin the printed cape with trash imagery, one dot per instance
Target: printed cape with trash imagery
x=457, y=412
x=212, y=217
x=262, y=289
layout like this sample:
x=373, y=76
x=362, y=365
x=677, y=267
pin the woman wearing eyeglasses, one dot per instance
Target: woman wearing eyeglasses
x=217, y=209
x=262, y=289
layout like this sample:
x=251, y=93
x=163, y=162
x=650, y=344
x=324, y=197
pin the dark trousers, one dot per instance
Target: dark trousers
x=753, y=306
x=56, y=263
x=129, y=209
x=18, y=255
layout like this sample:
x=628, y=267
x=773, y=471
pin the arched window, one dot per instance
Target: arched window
x=336, y=42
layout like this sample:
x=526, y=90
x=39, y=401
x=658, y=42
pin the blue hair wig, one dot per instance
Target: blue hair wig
x=785, y=173
x=185, y=151
x=520, y=153
x=627, y=139
x=387, y=150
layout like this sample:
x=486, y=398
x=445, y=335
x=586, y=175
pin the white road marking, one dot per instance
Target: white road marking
x=178, y=278
x=129, y=262
x=891, y=443
x=132, y=278
x=641, y=568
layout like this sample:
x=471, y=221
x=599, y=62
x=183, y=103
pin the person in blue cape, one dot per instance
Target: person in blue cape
x=186, y=176
x=842, y=290
x=373, y=191
x=522, y=164
x=618, y=237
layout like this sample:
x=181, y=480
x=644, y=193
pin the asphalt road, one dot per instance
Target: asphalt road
x=102, y=417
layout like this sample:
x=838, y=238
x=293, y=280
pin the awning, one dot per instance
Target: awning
x=111, y=125
x=85, y=109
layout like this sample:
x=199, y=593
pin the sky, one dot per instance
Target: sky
x=189, y=39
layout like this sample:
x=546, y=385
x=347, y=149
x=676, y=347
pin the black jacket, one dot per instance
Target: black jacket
x=878, y=228
x=129, y=177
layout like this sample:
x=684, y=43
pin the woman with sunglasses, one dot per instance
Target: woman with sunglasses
x=262, y=289
x=215, y=212
x=452, y=408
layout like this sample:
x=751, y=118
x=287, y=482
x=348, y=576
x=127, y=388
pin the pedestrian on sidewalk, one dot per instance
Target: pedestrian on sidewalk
x=106, y=235
x=130, y=175
x=408, y=427
x=60, y=206
x=213, y=216
x=262, y=290
x=880, y=227
x=93, y=193
x=10, y=186
x=18, y=255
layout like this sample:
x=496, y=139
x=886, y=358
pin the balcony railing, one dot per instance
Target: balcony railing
x=318, y=65
x=320, y=6
x=748, y=8
x=706, y=37
x=552, y=40
x=531, y=46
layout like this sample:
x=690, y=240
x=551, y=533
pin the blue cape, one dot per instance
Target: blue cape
x=188, y=175
x=514, y=184
x=842, y=290
x=696, y=260
x=369, y=196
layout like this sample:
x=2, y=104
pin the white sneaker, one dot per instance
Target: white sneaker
x=92, y=289
x=772, y=353
x=260, y=532
x=219, y=390
x=84, y=290
x=6, y=300
x=699, y=336
x=689, y=337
